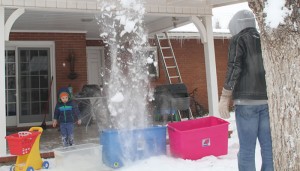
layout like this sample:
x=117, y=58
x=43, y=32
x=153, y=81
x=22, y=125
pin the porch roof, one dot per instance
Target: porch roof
x=79, y=15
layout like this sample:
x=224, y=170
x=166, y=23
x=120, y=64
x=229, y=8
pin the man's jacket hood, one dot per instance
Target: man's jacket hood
x=241, y=20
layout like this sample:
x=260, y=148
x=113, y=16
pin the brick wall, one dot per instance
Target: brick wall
x=64, y=43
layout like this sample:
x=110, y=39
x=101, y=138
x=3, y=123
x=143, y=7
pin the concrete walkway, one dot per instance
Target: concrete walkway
x=51, y=138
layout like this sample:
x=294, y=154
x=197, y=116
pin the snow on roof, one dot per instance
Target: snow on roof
x=220, y=20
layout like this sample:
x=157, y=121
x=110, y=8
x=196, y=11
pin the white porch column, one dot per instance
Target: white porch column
x=210, y=65
x=2, y=85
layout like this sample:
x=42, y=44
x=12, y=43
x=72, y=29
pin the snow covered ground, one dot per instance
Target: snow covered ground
x=166, y=162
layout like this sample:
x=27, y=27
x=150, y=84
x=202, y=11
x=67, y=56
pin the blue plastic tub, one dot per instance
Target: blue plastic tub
x=121, y=146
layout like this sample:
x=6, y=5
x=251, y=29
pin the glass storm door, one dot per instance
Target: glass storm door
x=10, y=88
x=34, y=83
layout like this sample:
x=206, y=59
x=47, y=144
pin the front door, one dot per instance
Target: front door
x=95, y=61
x=33, y=84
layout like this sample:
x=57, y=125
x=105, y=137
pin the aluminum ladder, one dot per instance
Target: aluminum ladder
x=170, y=64
x=168, y=57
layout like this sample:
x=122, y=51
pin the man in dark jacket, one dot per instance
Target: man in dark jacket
x=66, y=113
x=245, y=83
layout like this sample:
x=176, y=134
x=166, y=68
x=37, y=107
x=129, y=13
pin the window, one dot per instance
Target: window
x=152, y=61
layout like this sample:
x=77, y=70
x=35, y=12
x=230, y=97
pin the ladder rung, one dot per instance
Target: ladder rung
x=174, y=76
x=171, y=66
x=168, y=57
x=166, y=47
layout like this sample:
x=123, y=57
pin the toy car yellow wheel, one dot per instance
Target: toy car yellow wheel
x=45, y=165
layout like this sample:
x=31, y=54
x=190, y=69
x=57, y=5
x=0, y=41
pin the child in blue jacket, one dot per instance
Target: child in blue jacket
x=66, y=113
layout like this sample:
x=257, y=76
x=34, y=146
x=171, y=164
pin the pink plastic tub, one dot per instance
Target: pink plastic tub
x=194, y=139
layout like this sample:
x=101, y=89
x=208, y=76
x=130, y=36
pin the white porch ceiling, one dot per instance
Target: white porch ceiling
x=79, y=15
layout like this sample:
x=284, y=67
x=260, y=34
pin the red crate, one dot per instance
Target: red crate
x=194, y=139
x=20, y=143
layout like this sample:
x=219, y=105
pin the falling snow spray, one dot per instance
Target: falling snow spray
x=122, y=29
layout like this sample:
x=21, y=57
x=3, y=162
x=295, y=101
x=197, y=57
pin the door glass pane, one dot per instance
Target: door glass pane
x=24, y=56
x=44, y=94
x=35, y=95
x=34, y=81
x=43, y=66
x=43, y=81
x=11, y=109
x=11, y=82
x=35, y=108
x=10, y=56
x=34, y=69
x=34, y=54
x=24, y=82
x=25, y=97
x=25, y=110
x=43, y=53
x=10, y=69
x=11, y=95
x=24, y=68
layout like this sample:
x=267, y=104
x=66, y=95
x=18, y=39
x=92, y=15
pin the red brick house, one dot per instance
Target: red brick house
x=39, y=37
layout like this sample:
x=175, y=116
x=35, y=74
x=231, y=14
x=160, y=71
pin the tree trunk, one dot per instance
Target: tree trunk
x=280, y=48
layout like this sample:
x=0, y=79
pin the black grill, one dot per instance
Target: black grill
x=171, y=97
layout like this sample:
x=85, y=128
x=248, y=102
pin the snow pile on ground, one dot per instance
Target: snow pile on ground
x=166, y=162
